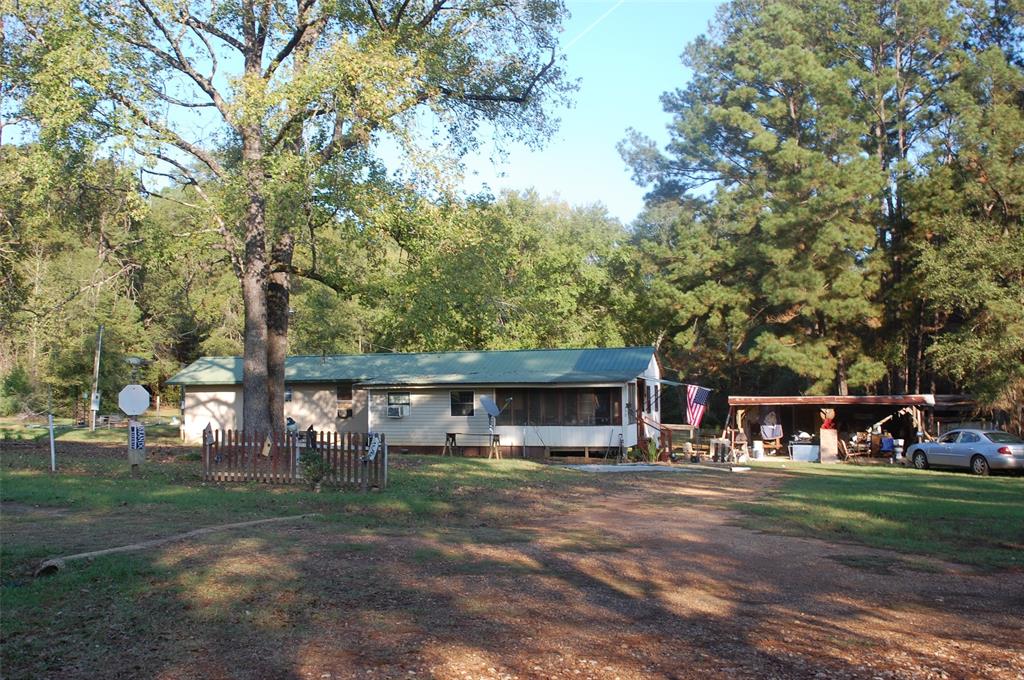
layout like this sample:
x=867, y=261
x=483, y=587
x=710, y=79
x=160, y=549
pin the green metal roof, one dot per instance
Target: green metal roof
x=536, y=366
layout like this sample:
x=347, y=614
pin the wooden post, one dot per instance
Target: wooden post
x=206, y=456
x=384, y=444
x=728, y=419
x=338, y=458
x=364, y=466
x=253, y=443
x=293, y=451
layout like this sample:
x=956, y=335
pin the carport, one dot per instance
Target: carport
x=834, y=426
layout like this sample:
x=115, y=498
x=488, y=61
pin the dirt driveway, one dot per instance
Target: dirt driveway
x=643, y=576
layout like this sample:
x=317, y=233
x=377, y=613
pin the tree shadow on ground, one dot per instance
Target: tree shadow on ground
x=629, y=578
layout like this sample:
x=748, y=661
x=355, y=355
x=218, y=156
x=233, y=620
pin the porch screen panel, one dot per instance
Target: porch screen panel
x=549, y=411
x=587, y=406
x=513, y=412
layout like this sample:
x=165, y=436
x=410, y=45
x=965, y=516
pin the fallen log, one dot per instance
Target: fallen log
x=55, y=564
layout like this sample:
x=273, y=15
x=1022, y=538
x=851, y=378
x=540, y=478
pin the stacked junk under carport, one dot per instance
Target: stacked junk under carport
x=833, y=428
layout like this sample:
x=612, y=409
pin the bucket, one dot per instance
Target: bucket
x=758, y=449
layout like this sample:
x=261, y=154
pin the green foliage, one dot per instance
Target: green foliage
x=519, y=271
x=77, y=223
x=810, y=185
x=975, y=277
x=512, y=273
x=271, y=137
x=17, y=394
x=314, y=466
x=781, y=266
x=839, y=207
x=652, y=451
x=971, y=268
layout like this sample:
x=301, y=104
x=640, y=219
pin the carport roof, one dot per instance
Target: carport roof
x=837, y=400
x=539, y=366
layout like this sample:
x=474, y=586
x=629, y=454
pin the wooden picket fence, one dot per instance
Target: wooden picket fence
x=240, y=456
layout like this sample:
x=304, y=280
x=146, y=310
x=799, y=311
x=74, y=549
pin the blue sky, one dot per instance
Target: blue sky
x=625, y=62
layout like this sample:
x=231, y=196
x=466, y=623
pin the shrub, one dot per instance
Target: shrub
x=652, y=450
x=313, y=466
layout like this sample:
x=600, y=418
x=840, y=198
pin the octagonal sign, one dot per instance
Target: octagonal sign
x=133, y=400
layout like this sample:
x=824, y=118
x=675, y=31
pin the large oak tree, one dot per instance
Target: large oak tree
x=276, y=115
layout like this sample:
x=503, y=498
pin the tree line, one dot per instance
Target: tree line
x=839, y=208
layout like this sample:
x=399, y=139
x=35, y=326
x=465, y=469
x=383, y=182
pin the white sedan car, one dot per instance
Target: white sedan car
x=978, y=450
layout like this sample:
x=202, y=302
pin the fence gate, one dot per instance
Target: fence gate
x=350, y=459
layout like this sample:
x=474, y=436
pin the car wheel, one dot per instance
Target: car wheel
x=979, y=466
x=920, y=460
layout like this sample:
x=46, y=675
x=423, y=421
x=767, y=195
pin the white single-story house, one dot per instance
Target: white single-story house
x=555, y=402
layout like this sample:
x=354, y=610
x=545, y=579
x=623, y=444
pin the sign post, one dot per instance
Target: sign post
x=49, y=422
x=134, y=400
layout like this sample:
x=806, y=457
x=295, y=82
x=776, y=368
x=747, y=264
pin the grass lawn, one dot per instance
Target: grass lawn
x=158, y=432
x=949, y=515
x=93, y=503
x=169, y=496
x=457, y=559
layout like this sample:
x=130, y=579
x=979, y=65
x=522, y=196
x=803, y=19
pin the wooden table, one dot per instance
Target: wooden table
x=451, y=443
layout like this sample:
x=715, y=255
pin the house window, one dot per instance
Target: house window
x=653, y=399
x=398, y=399
x=462, y=403
x=399, y=405
x=287, y=393
x=344, y=398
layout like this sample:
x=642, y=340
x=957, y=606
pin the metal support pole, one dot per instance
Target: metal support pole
x=53, y=449
x=93, y=404
x=49, y=422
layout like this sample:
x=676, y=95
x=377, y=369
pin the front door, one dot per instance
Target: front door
x=965, y=449
x=943, y=452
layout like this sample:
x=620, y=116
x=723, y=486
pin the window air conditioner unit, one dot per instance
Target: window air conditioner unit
x=398, y=411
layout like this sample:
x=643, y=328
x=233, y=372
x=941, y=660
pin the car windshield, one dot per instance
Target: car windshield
x=1004, y=438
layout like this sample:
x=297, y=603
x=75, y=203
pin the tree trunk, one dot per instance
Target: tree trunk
x=842, y=388
x=278, y=297
x=255, y=274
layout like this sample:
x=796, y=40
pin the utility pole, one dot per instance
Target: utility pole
x=94, y=405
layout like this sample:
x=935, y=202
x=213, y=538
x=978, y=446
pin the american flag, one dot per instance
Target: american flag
x=696, y=403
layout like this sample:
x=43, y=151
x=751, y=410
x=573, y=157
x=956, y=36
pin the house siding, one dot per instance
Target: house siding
x=220, y=407
x=560, y=436
x=359, y=422
x=312, y=404
x=429, y=418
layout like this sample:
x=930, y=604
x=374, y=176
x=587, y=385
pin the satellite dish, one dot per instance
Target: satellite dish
x=489, y=406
